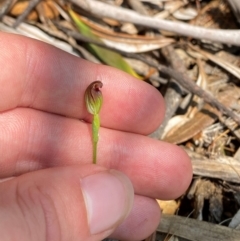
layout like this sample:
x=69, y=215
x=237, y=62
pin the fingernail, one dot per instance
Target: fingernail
x=108, y=198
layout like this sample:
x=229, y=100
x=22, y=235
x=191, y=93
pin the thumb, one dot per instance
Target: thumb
x=64, y=203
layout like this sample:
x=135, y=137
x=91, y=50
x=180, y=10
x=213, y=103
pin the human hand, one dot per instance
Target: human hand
x=56, y=193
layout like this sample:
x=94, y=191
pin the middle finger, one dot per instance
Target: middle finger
x=48, y=140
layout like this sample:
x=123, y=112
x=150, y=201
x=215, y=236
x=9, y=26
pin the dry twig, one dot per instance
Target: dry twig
x=186, y=82
x=107, y=11
x=31, y=6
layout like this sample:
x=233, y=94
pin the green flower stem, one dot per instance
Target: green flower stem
x=95, y=130
x=93, y=101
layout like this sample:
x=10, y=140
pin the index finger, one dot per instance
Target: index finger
x=40, y=76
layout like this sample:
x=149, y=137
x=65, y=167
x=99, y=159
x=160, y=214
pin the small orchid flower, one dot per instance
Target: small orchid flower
x=93, y=100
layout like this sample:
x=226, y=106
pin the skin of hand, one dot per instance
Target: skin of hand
x=50, y=190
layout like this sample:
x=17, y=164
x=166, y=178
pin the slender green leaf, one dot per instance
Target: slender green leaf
x=109, y=57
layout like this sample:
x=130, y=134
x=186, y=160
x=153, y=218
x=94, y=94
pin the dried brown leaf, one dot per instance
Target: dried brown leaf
x=126, y=42
x=202, y=119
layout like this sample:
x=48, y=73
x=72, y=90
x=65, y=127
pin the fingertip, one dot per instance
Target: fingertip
x=177, y=176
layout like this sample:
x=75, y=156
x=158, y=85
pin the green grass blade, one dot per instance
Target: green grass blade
x=107, y=56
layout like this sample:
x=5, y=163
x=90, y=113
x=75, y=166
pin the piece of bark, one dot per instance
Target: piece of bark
x=223, y=167
x=195, y=230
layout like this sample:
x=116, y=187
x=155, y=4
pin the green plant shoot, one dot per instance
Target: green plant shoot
x=93, y=100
